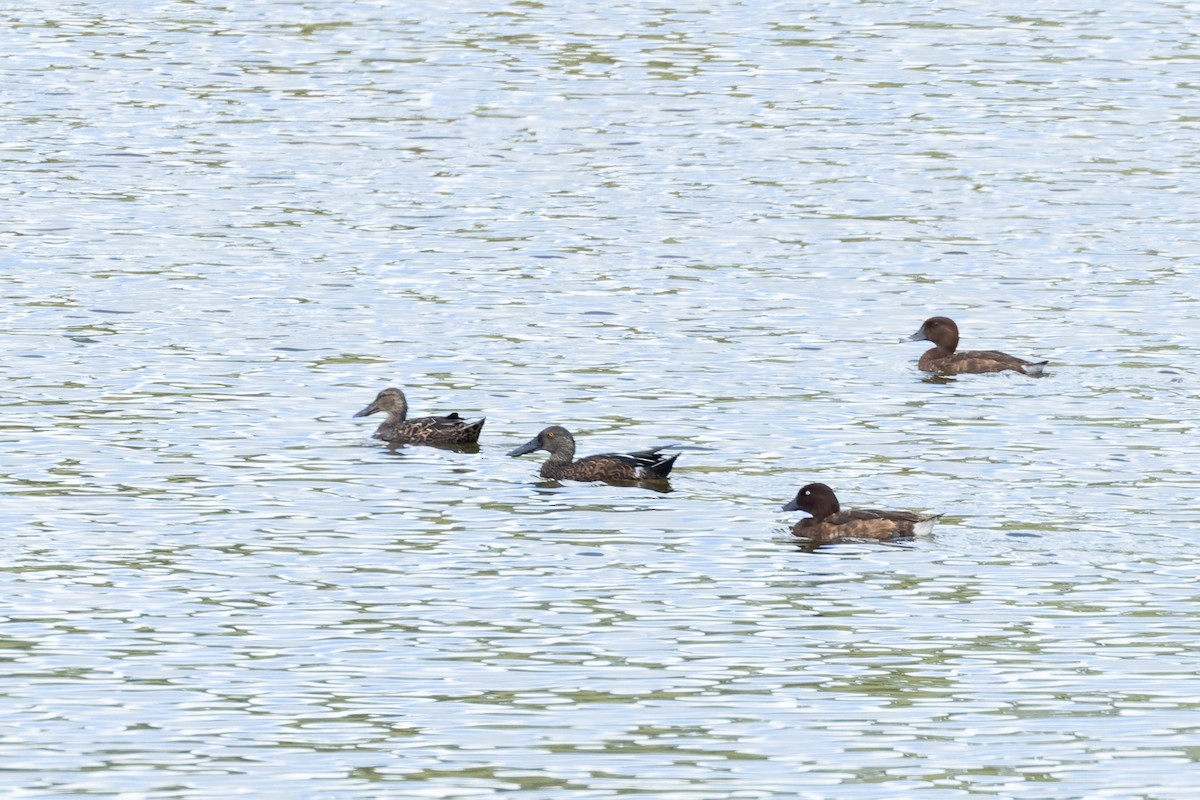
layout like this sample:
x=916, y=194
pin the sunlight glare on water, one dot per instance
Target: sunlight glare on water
x=228, y=227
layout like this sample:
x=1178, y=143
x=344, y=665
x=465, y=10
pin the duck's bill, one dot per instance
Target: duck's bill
x=791, y=505
x=528, y=447
x=919, y=336
x=369, y=410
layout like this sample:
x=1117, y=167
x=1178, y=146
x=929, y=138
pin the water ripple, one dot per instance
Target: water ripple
x=228, y=228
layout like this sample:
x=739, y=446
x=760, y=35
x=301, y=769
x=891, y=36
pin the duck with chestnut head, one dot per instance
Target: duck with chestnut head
x=829, y=523
x=946, y=359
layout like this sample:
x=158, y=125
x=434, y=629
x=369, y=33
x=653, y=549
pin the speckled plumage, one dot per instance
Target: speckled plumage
x=643, y=465
x=397, y=429
x=945, y=359
x=830, y=524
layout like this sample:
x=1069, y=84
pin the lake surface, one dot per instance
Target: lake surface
x=227, y=226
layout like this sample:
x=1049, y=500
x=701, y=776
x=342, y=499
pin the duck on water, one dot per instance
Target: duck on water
x=450, y=429
x=829, y=523
x=642, y=465
x=945, y=357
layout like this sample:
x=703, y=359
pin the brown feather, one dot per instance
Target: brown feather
x=611, y=468
x=450, y=429
x=975, y=362
x=860, y=524
x=644, y=465
x=944, y=358
x=830, y=524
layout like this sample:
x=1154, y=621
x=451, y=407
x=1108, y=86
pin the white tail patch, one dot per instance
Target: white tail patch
x=925, y=526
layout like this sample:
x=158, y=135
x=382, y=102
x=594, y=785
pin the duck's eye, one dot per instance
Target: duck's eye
x=807, y=493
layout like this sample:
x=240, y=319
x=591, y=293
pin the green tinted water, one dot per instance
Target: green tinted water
x=228, y=227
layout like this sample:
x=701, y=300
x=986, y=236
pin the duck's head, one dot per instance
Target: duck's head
x=555, y=439
x=817, y=499
x=390, y=401
x=940, y=330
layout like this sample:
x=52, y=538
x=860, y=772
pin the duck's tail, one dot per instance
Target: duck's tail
x=659, y=467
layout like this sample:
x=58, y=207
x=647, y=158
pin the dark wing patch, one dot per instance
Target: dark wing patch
x=874, y=513
x=645, y=465
x=650, y=464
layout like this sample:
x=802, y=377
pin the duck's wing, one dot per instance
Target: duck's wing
x=604, y=467
x=448, y=428
x=994, y=361
x=652, y=461
x=847, y=525
x=876, y=513
x=900, y=522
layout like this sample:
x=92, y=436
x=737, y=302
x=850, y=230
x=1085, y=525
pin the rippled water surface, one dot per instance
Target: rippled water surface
x=227, y=226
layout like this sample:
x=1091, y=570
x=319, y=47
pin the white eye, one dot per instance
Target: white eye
x=807, y=493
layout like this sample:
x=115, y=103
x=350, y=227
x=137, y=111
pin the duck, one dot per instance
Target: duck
x=643, y=465
x=830, y=524
x=945, y=359
x=450, y=429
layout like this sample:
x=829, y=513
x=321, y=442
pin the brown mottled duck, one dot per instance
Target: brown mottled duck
x=643, y=465
x=450, y=429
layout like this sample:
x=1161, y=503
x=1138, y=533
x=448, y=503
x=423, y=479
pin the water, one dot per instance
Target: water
x=226, y=228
